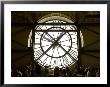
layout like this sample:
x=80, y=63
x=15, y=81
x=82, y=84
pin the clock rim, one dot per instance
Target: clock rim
x=59, y=56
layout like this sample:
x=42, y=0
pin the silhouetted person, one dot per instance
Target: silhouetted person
x=56, y=71
x=46, y=71
x=37, y=69
x=68, y=72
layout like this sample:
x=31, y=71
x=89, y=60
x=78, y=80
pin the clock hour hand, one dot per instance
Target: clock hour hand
x=52, y=45
x=48, y=39
x=60, y=36
x=47, y=50
x=72, y=57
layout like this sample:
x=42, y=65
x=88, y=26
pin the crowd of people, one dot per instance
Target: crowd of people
x=35, y=70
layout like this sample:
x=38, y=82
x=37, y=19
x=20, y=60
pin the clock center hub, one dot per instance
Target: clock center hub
x=55, y=44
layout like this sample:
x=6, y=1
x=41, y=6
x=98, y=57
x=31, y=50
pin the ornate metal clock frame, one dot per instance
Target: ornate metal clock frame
x=55, y=43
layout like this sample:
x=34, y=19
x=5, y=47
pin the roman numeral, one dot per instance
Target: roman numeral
x=38, y=53
x=73, y=54
x=55, y=62
x=74, y=43
x=37, y=43
x=73, y=34
x=39, y=27
x=39, y=33
x=65, y=59
x=44, y=62
x=69, y=53
x=47, y=38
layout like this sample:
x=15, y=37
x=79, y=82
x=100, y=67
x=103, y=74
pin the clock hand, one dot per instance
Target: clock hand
x=47, y=50
x=55, y=41
x=58, y=38
x=49, y=40
x=50, y=37
x=68, y=53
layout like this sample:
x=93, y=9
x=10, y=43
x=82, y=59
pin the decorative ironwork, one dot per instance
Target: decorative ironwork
x=55, y=45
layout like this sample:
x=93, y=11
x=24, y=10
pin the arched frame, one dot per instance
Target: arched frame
x=58, y=21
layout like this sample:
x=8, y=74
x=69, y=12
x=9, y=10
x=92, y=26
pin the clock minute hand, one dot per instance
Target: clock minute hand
x=52, y=45
x=49, y=40
x=61, y=35
x=47, y=49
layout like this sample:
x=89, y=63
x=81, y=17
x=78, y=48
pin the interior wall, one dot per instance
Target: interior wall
x=88, y=61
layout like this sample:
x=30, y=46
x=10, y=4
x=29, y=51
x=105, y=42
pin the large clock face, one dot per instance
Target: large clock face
x=56, y=45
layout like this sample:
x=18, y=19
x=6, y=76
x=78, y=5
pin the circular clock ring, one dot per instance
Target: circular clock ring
x=57, y=44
